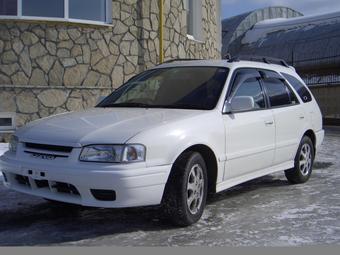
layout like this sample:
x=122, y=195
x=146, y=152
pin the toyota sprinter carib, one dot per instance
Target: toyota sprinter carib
x=170, y=136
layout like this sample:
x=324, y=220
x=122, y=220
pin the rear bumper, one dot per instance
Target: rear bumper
x=132, y=187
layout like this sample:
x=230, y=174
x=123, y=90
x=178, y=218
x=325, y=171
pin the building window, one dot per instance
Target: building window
x=87, y=11
x=194, y=19
x=8, y=7
x=43, y=8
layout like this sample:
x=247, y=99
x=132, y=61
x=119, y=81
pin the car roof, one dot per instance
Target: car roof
x=226, y=63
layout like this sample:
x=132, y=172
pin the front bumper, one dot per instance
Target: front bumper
x=140, y=186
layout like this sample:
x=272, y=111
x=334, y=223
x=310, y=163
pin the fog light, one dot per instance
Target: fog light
x=104, y=195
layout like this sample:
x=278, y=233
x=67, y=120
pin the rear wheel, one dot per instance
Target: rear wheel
x=186, y=191
x=304, y=160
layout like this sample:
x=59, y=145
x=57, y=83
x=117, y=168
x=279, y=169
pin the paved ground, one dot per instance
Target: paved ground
x=264, y=212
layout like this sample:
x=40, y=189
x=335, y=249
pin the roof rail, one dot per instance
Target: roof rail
x=180, y=59
x=262, y=59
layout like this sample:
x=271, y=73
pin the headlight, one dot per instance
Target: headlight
x=13, y=144
x=113, y=153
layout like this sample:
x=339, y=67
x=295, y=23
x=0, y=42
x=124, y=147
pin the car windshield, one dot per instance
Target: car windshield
x=196, y=88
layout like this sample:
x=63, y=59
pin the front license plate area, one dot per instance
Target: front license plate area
x=36, y=174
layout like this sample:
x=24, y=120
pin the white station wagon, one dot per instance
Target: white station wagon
x=170, y=136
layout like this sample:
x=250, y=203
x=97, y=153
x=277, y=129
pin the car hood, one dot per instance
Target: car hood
x=98, y=125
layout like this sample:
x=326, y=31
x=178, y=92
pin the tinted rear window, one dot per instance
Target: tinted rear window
x=299, y=87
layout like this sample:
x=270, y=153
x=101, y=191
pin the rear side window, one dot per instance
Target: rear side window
x=278, y=93
x=299, y=87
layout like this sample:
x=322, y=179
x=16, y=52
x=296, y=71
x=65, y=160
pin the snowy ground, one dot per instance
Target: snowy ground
x=3, y=148
x=264, y=212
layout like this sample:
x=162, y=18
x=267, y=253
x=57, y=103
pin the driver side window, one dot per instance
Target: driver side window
x=251, y=87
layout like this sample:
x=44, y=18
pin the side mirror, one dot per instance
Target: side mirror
x=242, y=103
x=239, y=104
x=100, y=99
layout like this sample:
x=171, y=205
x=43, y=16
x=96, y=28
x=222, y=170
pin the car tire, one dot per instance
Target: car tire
x=304, y=161
x=186, y=191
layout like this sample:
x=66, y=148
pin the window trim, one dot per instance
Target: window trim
x=66, y=18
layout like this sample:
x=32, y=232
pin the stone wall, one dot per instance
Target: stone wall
x=52, y=67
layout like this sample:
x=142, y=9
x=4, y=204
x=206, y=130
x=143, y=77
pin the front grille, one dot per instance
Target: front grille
x=45, y=155
x=47, y=152
x=45, y=147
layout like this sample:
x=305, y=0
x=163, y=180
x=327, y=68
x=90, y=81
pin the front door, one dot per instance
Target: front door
x=250, y=135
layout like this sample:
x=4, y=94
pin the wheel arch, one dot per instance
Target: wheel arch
x=210, y=161
x=310, y=133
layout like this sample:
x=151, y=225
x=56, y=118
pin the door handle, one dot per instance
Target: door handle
x=269, y=122
x=302, y=117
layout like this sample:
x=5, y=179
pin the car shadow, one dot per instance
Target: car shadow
x=49, y=224
x=247, y=187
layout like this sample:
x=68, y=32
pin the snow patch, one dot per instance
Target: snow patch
x=298, y=213
x=263, y=28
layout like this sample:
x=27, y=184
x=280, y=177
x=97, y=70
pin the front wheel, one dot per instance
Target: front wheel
x=304, y=160
x=186, y=191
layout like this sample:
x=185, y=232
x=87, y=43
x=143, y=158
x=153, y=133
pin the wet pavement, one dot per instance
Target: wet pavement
x=263, y=212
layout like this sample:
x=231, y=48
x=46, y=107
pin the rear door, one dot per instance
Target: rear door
x=288, y=114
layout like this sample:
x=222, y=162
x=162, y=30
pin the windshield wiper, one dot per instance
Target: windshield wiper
x=187, y=106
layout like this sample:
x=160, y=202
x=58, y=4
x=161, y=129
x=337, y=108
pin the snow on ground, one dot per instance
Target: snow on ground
x=3, y=148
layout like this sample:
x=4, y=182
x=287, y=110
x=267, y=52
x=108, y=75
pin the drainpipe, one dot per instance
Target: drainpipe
x=161, y=31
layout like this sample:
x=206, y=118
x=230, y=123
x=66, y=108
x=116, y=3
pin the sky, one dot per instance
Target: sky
x=307, y=7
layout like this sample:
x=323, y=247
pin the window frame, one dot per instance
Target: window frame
x=66, y=18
